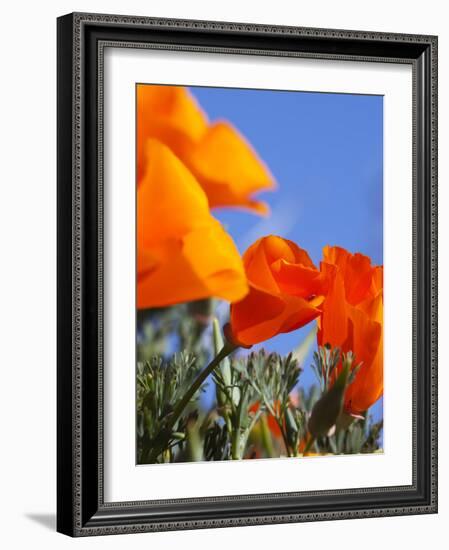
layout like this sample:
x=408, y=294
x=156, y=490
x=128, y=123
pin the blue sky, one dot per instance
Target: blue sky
x=326, y=153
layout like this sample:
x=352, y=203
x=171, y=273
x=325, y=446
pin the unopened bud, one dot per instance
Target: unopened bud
x=328, y=408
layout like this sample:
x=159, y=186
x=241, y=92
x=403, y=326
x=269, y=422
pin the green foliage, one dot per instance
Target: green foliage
x=372, y=434
x=183, y=323
x=160, y=386
x=272, y=379
x=325, y=360
x=260, y=409
x=361, y=436
x=217, y=442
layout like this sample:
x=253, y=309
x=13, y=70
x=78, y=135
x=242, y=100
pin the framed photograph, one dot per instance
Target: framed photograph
x=247, y=274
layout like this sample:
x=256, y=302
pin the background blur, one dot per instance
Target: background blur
x=326, y=153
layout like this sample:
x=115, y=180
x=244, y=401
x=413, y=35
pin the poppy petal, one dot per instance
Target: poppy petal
x=228, y=168
x=169, y=114
x=183, y=252
x=333, y=328
x=170, y=202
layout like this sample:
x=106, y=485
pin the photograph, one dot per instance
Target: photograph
x=246, y=273
x=220, y=271
x=259, y=274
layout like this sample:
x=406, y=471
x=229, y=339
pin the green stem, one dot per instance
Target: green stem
x=308, y=445
x=274, y=414
x=235, y=445
x=227, y=349
x=284, y=435
x=266, y=437
x=223, y=410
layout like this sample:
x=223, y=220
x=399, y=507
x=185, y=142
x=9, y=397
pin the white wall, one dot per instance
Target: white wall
x=27, y=270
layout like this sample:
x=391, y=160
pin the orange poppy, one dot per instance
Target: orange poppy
x=221, y=160
x=183, y=253
x=352, y=319
x=286, y=290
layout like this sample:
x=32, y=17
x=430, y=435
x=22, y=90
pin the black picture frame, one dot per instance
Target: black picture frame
x=81, y=509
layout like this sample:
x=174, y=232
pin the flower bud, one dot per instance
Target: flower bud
x=328, y=408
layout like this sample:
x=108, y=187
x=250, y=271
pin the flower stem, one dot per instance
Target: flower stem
x=308, y=445
x=227, y=349
x=266, y=437
x=235, y=445
x=284, y=437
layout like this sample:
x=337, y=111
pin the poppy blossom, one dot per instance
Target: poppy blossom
x=352, y=319
x=222, y=161
x=183, y=253
x=285, y=292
